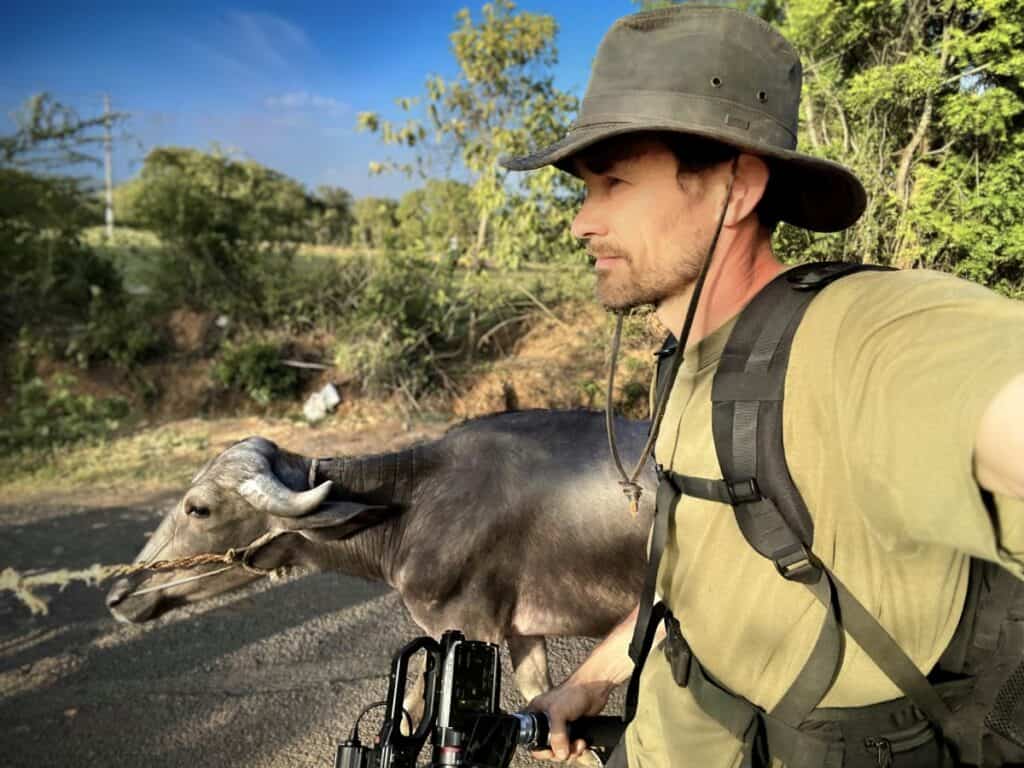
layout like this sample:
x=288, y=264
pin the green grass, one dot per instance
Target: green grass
x=135, y=253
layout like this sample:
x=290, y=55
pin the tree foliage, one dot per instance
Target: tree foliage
x=229, y=226
x=54, y=289
x=502, y=102
x=437, y=219
x=51, y=136
x=925, y=100
x=375, y=223
x=333, y=219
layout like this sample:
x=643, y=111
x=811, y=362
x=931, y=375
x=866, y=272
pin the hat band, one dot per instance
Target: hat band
x=687, y=112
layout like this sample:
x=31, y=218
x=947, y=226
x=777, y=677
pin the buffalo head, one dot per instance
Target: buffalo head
x=251, y=491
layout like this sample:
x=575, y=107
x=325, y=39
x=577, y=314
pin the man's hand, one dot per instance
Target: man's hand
x=563, y=704
x=586, y=691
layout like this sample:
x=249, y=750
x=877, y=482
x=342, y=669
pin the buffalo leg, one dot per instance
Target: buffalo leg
x=415, y=686
x=530, y=663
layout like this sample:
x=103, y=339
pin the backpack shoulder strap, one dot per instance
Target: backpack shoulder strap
x=747, y=396
x=747, y=399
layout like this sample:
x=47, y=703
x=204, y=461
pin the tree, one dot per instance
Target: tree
x=333, y=218
x=52, y=136
x=769, y=10
x=438, y=218
x=52, y=285
x=229, y=226
x=502, y=102
x=925, y=100
x=375, y=222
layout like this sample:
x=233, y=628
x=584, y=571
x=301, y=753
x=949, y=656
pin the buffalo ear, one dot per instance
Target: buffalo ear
x=336, y=520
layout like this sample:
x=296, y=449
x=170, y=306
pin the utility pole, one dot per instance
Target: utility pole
x=108, y=165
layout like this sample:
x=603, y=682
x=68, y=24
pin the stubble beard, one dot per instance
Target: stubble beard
x=625, y=287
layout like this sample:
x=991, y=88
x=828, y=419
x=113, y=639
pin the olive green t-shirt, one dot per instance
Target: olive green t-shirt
x=888, y=378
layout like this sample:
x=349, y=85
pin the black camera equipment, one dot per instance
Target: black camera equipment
x=461, y=691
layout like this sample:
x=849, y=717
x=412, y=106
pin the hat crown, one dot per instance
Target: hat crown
x=718, y=67
x=715, y=73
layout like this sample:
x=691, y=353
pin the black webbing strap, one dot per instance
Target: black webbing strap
x=747, y=396
x=662, y=386
x=649, y=614
x=822, y=666
x=747, y=722
x=878, y=644
x=700, y=487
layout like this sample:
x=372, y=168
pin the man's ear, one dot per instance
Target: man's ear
x=336, y=520
x=747, y=189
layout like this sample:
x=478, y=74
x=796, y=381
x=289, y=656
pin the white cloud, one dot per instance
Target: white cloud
x=304, y=100
x=254, y=44
x=264, y=35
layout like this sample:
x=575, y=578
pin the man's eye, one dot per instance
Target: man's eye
x=613, y=181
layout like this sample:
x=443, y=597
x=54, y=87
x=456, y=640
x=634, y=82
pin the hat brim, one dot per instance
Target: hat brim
x=810, y=192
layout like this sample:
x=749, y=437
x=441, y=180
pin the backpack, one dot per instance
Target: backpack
x=969, y=710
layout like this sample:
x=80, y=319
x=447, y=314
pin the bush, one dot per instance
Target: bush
x=121, y=329
x=228, y=226
x=49, y=414
x=255, y=368
x=414, y=325
x=56, y=289
x=316, y=294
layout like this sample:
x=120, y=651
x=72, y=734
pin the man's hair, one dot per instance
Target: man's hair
x=694, y=154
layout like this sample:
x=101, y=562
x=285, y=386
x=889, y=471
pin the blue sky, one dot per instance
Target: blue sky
x=278, y=82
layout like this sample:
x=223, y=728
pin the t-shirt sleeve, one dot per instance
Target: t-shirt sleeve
x=918, y=357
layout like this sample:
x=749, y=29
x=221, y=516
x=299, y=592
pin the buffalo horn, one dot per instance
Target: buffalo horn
x=268, y=494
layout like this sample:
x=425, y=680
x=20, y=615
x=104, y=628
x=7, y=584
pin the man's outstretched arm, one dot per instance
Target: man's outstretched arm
x=999, y=447
x=586, y=690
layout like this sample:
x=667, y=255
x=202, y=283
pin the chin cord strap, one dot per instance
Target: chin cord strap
x=630, y=487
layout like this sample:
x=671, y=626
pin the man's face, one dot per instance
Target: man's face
x=647, y=226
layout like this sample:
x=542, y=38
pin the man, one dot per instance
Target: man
x=904, y=425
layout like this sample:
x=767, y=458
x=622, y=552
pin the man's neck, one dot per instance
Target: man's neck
x=742, y=265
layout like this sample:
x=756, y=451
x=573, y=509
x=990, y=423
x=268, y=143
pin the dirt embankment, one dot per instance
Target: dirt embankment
x=559, y=362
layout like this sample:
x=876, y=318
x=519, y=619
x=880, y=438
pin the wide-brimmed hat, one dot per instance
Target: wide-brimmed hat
x=720, y=74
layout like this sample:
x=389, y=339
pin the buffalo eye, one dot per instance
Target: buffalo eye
x=194, y=510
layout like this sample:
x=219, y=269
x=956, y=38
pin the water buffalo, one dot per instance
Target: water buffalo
x=509, y=527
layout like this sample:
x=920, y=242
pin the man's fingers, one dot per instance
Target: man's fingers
x=560, y=742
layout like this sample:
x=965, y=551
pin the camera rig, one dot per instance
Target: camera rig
x=461, y=714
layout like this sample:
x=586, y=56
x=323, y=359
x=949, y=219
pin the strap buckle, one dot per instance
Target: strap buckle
x=677, y=651
x=744, y=492
x=799, y=565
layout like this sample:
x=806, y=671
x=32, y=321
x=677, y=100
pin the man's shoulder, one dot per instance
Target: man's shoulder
x=903, y=289
x=861, y=305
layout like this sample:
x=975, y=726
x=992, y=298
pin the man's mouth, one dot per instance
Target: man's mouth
x=605, y=262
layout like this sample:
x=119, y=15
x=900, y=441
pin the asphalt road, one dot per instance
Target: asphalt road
x=271, y=676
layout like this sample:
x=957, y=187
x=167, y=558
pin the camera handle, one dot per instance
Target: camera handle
x=601, y=732
x=397, y=748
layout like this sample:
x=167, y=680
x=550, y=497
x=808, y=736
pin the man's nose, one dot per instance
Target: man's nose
x=588, y=222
